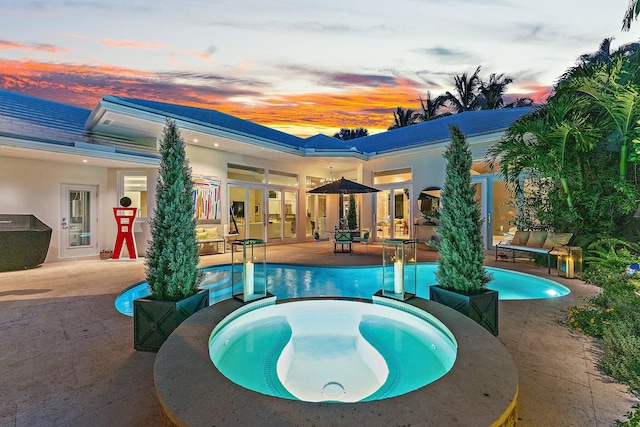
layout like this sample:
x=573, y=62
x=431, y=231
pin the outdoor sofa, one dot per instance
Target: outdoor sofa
x=538, y=242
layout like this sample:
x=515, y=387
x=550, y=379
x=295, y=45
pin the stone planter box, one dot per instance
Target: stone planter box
x=154, y=321
x=482, y=308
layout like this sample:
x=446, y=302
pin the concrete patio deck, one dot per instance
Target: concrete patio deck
x=67, y=356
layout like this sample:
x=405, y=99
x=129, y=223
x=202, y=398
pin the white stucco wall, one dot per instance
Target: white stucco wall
x=34, y=187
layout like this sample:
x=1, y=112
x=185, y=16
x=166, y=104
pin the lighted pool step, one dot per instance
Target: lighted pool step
x=331, y=367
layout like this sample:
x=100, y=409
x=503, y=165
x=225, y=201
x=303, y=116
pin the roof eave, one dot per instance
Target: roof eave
x=157, y=116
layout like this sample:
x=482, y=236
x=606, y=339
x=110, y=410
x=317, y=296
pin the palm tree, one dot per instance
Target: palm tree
x=632, y=13
x=402, y=118
x=603, y=54
x=547, y=143
x=431, y=108
x=467, y=97
x=493, y=90
x=621, y=103
x=520, y=102
x=587, y=62
x=346, y=134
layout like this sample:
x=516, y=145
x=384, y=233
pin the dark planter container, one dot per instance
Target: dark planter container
x=154, y=321
x=483, y=307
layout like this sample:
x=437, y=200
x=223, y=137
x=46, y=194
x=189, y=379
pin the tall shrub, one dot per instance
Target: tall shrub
x=461, y=248
x=352, y=217
x=172, y=256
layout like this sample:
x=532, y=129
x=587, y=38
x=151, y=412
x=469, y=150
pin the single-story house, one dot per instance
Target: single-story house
x=70, y=167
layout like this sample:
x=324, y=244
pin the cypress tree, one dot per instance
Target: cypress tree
x=172, y=257
x=352, y=217
x=461, y=248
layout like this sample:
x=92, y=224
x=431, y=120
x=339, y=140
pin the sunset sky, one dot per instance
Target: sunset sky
x=299, y=66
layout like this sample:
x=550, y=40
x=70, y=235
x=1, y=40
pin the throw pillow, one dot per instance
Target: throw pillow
x=520, y=238
x=536, y=239
x=557, y=239
x=212, y=233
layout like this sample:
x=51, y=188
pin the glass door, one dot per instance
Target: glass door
x=393, y=213
x=482, y=193
x=290, y=217
x=276, y=218
x=504, y=212
x=383, y=215
x=498, y=209
x=79, y=236
x=246, y=212
x=255, y=213
x=237, y=218
x=316, y=214
x=401, y=213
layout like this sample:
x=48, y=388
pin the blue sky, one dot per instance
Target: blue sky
x=303, y=67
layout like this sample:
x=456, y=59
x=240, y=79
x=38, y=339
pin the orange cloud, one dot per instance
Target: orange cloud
x=301, y=114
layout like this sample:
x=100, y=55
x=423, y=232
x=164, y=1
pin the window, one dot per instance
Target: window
x=283, y=178
x=389, y=177
x=134, y=185
x=245, y=173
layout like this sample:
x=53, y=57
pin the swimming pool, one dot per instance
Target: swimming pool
x=297, y=281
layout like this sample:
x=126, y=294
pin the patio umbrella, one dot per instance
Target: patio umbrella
x=343, y=186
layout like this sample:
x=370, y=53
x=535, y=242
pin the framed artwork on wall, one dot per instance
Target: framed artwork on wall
x=206, y=196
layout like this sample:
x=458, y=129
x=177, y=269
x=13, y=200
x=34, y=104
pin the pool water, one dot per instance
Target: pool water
x=297, y=281
x=332, y=350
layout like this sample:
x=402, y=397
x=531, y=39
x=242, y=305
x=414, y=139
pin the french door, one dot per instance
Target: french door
x=247, y=210
x=79, y=225
x=393, y=214
x=497, y=207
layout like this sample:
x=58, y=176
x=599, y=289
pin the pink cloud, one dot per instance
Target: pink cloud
x=132, y=44
x=40, y=47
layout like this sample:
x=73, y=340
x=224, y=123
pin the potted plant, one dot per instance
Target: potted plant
x=461, y=275
x=172, y=256
x=106, y=254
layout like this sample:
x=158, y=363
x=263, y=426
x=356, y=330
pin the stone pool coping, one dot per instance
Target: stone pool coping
x=481, y=388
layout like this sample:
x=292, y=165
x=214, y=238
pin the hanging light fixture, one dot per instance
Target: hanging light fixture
x=331, y=177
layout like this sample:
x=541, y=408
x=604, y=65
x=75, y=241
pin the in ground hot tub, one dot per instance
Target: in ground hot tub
x=332, y=350
x=24, y=242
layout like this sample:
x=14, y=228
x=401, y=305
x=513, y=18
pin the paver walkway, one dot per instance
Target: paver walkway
x=67, y=357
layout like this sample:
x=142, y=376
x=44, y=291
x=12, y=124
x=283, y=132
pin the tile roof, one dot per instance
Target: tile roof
x=422, y=134
x=324, y=142
x=54, y=124
x=41, y=119
x=471, y=123
x=49, y=121
x=211, y=118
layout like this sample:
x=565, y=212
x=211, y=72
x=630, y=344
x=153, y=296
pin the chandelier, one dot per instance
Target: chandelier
x=331, y=178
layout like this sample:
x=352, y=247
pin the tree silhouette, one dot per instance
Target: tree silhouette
x=346, y=134
x=432, y=108
x=403, y=118
x=632, y=13
x=493, y=90
x=467, y=97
